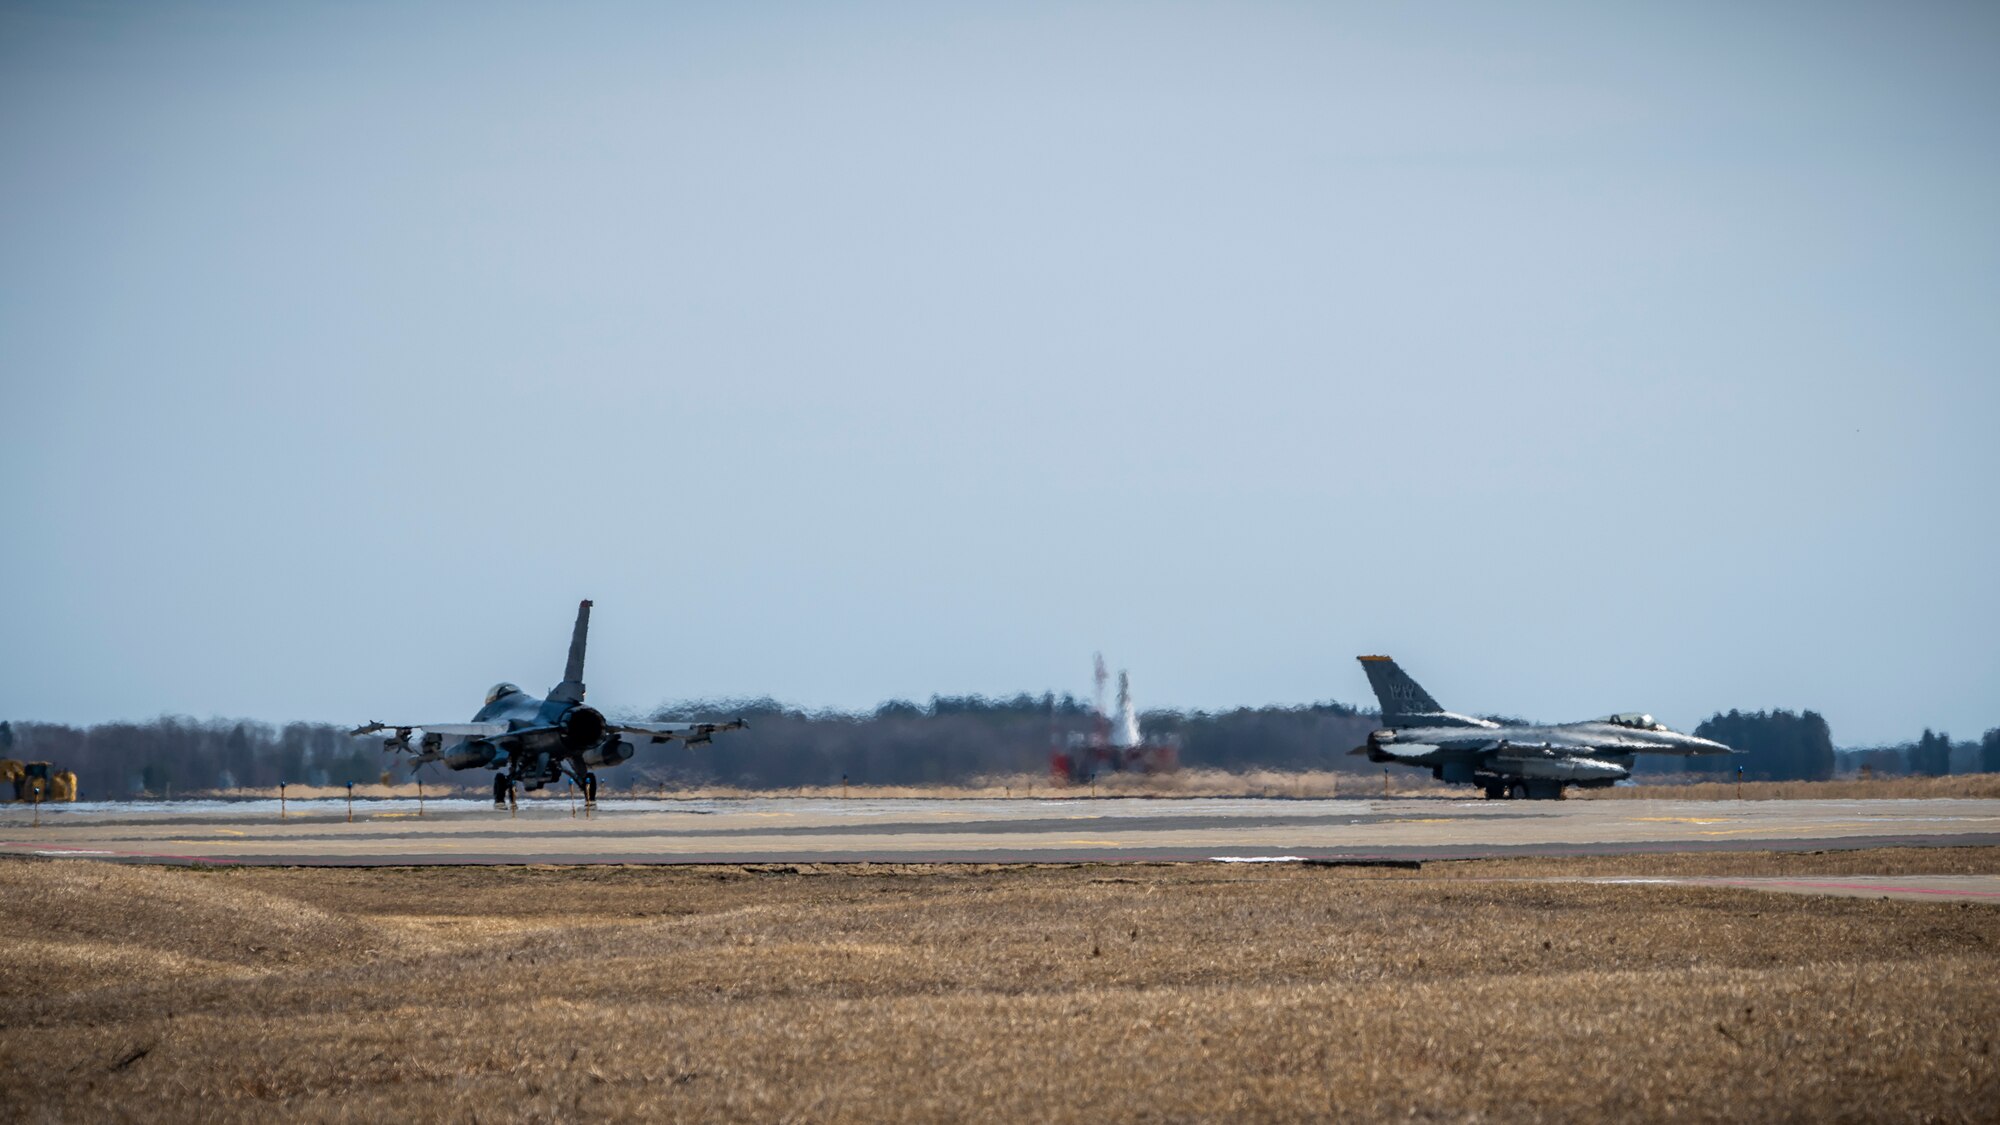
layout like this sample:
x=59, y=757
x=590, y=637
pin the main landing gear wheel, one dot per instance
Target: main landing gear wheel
x=1496, y=792
x=589, y=789
x=500, y=788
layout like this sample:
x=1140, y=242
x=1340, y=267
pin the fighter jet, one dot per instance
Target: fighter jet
x=1509, y=760
x=533, y=742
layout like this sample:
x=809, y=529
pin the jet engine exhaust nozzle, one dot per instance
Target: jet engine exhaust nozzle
x=582, y=729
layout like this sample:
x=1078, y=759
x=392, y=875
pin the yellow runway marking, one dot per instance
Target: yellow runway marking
x=228, y=832
x=1681, y=819
x=1788, y=828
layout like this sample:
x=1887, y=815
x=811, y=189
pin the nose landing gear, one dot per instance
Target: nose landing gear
x=503, y=791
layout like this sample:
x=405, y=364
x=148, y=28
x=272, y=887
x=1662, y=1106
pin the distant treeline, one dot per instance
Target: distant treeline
x=1784, y=746
x=959, y=738
x=1778, y=745
x=179, y=755
x=1934, y=754
x=947, y=740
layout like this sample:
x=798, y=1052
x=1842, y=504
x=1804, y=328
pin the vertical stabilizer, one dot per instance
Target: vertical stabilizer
x=571, y=688
x=1403, y=702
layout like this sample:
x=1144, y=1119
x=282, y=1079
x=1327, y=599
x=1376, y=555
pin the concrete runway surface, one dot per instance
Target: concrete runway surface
x=797, y=830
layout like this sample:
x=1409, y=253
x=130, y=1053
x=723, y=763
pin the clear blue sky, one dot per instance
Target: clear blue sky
x=1585, y=357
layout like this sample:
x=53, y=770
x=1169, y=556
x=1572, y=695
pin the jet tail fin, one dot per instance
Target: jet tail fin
x=1404, y=703
x=571, y=688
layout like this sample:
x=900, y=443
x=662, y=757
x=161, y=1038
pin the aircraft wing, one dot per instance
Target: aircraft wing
x=462, y=730
x=690, y=733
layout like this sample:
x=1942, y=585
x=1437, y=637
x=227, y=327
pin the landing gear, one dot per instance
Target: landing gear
x=1496, y=792
x=500, y=788
x=589, y=790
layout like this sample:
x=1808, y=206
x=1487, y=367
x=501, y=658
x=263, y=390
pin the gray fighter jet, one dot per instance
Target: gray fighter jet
x=1510, y=760
x=532, y=742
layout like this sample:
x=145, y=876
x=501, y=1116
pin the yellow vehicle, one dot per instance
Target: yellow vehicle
x=36, y=781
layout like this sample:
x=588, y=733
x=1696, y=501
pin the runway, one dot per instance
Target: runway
x=551, y=831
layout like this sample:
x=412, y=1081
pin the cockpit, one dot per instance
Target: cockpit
x=1632, y=720
x=501, y=691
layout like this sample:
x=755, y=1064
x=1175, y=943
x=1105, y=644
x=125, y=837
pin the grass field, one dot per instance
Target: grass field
x=1218, y=992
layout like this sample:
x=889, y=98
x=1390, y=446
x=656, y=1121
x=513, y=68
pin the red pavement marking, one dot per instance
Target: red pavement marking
x=1876, y=887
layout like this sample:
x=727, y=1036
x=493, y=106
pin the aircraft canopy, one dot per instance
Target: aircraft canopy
x=500, y=690
x=1633, y=719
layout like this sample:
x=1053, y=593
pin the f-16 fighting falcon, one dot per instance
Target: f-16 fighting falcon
x=533, y=742
x=1511, y=760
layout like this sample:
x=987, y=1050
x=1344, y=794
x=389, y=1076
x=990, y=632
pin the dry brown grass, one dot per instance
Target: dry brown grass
x=1964, y=785
x=1046, y=993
